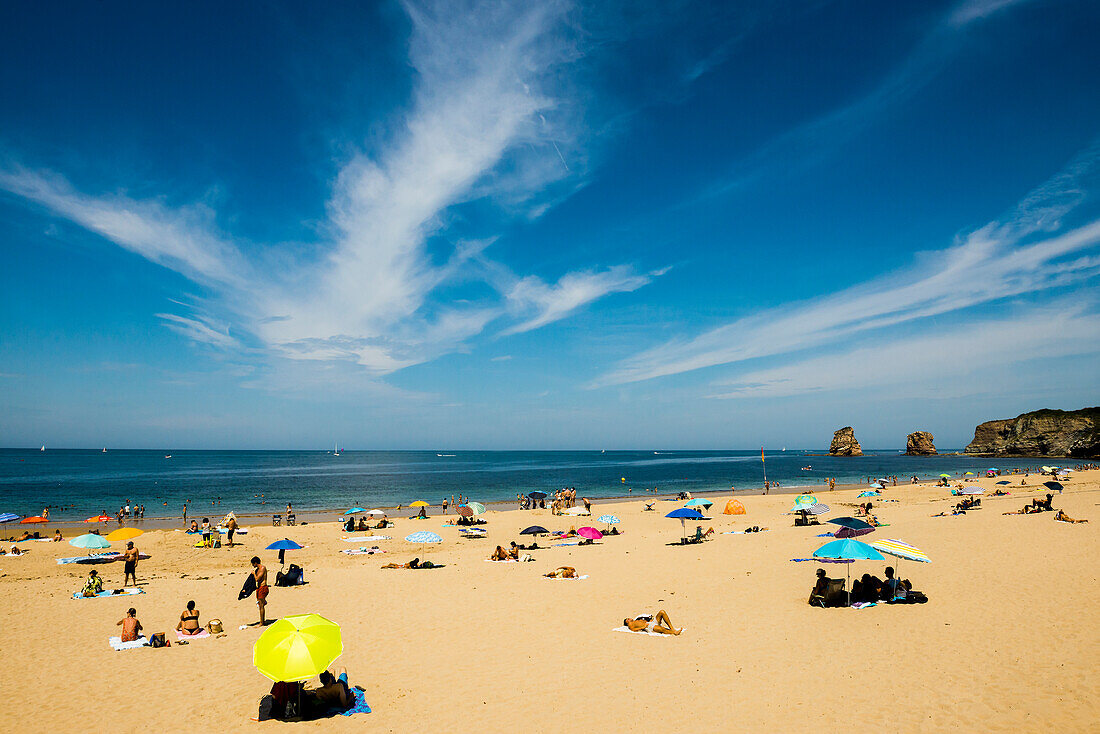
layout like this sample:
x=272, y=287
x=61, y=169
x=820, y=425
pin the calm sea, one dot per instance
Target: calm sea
x=80, y=483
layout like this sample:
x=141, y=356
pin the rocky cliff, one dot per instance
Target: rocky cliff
x=1061, y=433
x=845, y=443
x=919, y=443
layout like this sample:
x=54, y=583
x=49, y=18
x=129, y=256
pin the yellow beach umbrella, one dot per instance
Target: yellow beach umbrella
x=124, y=534
x=297, y=647
x=419, y=503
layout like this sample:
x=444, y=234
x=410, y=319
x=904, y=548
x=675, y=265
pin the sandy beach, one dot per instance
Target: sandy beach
x=1006, y=641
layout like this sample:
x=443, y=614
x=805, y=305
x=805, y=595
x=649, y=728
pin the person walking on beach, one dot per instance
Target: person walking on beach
x=259, y=573
x=444, y=505
x=230, y=528
x=130, y=559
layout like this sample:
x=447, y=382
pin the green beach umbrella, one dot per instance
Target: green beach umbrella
x=805, y=499
x=477, y=507
x=89, y=541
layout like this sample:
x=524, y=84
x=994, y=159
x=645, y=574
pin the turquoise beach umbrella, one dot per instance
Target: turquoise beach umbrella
x=423, y=537
x=89, y=541
x=848, y=549
x=609, y=519
x=699, y=502
x=354, y=510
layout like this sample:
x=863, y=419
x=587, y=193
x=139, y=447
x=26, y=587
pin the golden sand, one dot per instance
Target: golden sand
x=1007, y=642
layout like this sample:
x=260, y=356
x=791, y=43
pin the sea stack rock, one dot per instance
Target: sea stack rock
x=1040, y=433
x=919, y=443
x=845, y=443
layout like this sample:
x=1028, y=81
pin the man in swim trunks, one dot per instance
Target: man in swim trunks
x=130, y=558
x=260, y=574
x=230, y=528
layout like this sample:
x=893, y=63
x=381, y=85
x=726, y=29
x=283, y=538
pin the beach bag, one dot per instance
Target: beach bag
x=157, y=640
x=214, y=626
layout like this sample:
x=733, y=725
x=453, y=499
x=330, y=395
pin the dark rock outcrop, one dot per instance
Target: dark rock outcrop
x=845, y=443
x=919, y=443
x=1060, y=433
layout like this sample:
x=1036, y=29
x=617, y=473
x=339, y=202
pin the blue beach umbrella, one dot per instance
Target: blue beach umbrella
x=354, y=510
x=534, y=530
x=423, y=536
x=867, y=494
x=683, y=514
x=89, y=541
x=8, y=517
x=609, y=519
x=848, y=549
x=284, y=544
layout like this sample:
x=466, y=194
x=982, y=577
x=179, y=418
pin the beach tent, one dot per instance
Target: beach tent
x=734, y=507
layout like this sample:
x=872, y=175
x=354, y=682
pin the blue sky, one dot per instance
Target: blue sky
x=545, y=225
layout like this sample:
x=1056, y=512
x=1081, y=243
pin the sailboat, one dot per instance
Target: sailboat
x=104, y=450
x=335, y=448
x=43, y=447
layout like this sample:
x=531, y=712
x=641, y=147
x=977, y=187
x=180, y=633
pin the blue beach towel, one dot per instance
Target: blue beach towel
x=360, y=706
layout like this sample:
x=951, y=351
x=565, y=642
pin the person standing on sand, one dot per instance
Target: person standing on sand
x=130, y=558
x=230, y=528
x=185, y=513
x=259, y=573
x=444, y=505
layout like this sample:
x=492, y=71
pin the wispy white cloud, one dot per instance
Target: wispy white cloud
x=550, y=303
x=198, y=330
x=972, y=10
x=1002, y=259
x=929, y=360
x=487, y=119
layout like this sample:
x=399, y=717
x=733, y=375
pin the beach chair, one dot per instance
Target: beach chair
x=834, y=595
x=804, y=518
x=276, y=520
x=290, y=519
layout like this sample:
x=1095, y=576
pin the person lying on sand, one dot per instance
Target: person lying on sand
x=414, y=563
x=562, y=572
x=1063, y=517
x=130, y=625
x=659, y=623
x=189, y=620
x=24, y=536
x=16, y=551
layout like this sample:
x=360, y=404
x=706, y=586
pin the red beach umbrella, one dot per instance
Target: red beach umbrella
x=464, y=511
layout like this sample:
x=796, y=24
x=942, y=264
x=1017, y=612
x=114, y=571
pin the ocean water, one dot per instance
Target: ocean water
x=80, y=483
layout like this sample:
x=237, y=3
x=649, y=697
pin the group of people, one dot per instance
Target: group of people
x=364, y=524
x=293, y=701
x=1036, y=505
x=865, y=590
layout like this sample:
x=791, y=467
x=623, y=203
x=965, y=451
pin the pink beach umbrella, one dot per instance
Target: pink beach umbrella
x=590, y=533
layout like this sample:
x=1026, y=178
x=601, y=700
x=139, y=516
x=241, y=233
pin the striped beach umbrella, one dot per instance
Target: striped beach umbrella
x=423, y=536
x=805, y=499
x=609, y=519
x=477, y=507
x=901, y=550
x=8, y=517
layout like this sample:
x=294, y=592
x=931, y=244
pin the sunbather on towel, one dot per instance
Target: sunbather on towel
x=1066, y=518
x=659, y=623
x=499, y=554
x=189, y=620
x=562, y=572
x=414, y=563
x=130, y=625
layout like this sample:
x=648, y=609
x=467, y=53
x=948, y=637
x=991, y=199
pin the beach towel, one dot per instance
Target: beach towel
x=366, y=539
x=362, y=551
x=360, y=706
x=111, y=592
x=117, y=643
x=560, y=544
x=825, y=535
x=93, y=558
x=627, y=630
x=864, y=604
x=200, y=636
x=762, y=530
x=562, y=578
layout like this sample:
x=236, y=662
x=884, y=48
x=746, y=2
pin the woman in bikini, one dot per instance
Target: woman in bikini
x=189, y=620
x=659, y=623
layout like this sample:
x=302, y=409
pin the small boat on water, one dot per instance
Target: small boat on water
x=168, y=456
x=444, y=455
x=43, y=447
x=104, y=450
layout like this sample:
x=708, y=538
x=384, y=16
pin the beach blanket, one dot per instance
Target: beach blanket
x=627, y=630
x=366, y=539
x=745, y=532
x=360, y=706
x=825, y=535
x=117, y=643
x=560, y=544
x=562, y=578
x=111, y=592
x=864, y=604
x=200, y=636
x=362, y=551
